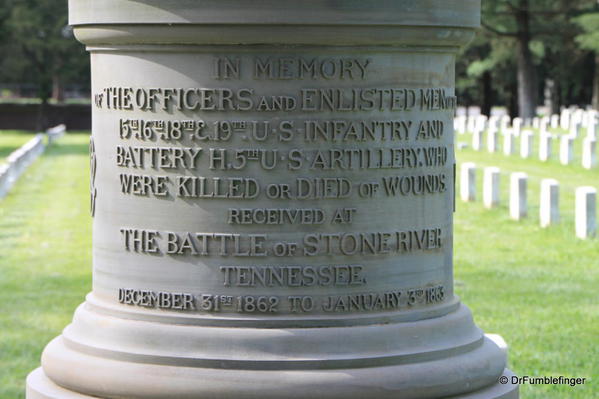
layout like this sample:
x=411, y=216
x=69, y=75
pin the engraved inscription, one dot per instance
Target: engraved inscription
x=332, y=160
x=215, y=303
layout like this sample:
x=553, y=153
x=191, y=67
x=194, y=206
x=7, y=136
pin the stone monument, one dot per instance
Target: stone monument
x=272, y=189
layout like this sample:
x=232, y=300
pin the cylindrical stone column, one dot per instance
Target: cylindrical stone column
x=272, y=188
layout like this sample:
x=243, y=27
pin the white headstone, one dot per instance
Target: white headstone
x=526, y=143
x=459, y=124
x=577, y=117
x=589, y=153
x=471, y=123
x=468, y=182
x=536, y=123
x=545, y=141
x=508, y=142
x=504, y=123
x=575, y=127
x=549, y=209
x=492, y=136
x=586, y=212
x=566, y=153
x=544, y=125
x=477, y=139
x=564, y=121
x=494, y=122
x=481, y=122
x=518, y=199
x=491, y=187
x=554, y=121
x=517, y=126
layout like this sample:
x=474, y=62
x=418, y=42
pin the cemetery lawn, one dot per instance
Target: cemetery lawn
x=10, y=140
x=45, y=256
x=537, y=288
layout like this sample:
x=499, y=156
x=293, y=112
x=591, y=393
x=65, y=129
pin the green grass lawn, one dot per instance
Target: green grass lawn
x=45, y=257
x=10, y=140
x=537, y=288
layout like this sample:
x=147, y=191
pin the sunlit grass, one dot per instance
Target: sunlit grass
x=536, y=287
x=45, y=247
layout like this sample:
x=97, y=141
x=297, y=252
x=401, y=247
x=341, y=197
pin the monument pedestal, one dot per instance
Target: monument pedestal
x=272, y=187
x=41, y=387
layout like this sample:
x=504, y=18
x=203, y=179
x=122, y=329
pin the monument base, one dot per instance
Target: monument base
x=39, y=386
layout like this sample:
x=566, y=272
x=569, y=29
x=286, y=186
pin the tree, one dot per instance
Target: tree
x=590, y=40
x=40, y=47
x=522, y=23
x=486, y=74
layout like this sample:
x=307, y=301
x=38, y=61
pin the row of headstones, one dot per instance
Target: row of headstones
x=570, y=120
x=586, y=198
x=566, y=147
x=21, y=158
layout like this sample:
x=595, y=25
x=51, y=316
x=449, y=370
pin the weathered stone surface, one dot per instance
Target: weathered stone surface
x=272, y=190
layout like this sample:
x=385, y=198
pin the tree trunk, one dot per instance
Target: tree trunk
x=42, y=116
x=527, y=93
x=487, y=103
x=513, y=105
x=57, y=89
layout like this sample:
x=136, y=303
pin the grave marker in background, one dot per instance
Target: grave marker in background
x=518, y=195
x=586, y=212
x=491, y=187
x=549, y=209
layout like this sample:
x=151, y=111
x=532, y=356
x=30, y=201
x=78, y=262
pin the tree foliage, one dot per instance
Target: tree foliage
x=531, y=53
x=527, y=52
x=40, y=48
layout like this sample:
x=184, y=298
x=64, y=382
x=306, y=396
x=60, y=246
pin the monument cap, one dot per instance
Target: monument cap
x=349, y=22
